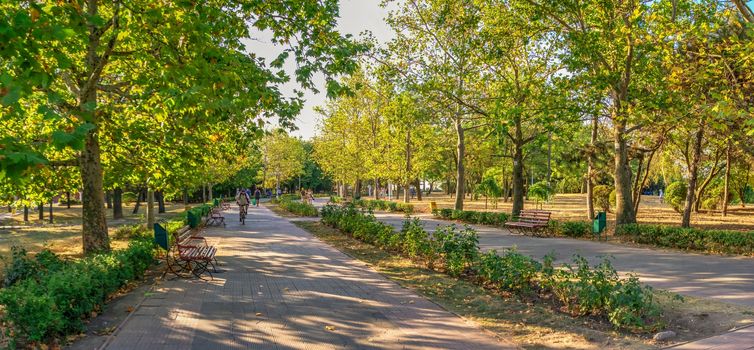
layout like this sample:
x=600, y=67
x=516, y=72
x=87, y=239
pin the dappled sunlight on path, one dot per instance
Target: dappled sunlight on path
x=281, y=288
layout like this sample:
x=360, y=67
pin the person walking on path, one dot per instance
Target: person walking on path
x=257, y=196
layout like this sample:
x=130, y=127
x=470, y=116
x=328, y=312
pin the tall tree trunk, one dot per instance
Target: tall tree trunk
x=624, y=209
x=108, y=200
x=518, y=179
x=407, y=183
x=26, y=213
x=376, y=188
x=41, y=210
x=637, y=191
x=117, y=203
x=68, y=199
x=50, y=211
x=357, y=189
x=590, y=169
x=94, y=222
x=150, y=207
x=160, y=201
x=139, y=198
x=692, y=173
x=209, y=190
x=204, y=193
x=417, y=184
x=726, y=190
x=460, y=168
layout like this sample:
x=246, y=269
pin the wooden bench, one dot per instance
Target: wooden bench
x=530, y=221
x=189, y=254
x=216, y=217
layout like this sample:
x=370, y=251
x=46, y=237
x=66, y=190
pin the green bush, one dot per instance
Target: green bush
x=573, y=228
x=541, y=191
x=473, y=217
x=710, y=241
x=52, y=302
x=675, y=195
x=383, y=205
x=581, y=289
x=299, y=208
x=601, y=197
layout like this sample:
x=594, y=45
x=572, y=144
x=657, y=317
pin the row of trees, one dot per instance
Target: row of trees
x=98, y=95
x=573, y=93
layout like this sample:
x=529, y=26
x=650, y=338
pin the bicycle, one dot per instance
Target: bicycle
x=242, y=213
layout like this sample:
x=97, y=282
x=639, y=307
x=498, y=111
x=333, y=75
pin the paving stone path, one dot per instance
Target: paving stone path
x=281, y=288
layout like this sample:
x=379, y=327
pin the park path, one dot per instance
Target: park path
x=281, y=288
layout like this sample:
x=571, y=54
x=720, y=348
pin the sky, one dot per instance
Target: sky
x=356, y=16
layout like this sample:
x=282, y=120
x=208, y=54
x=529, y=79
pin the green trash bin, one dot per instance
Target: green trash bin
x=599, y=224
x=215, y=202
x=193, y=219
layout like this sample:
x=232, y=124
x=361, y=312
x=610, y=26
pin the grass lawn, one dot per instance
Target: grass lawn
x=64, y=236
x=534, y=325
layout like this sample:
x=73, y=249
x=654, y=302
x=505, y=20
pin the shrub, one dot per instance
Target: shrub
x=53, y=302
x=130, y=231
x=473, y=217
x=581, y=289
x=710, y=241
x=601, y=197
x=298, y=208
x=378, y=204
x=675, y=195
x=573, y=228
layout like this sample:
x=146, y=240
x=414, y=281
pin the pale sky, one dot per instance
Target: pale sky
x=356, y=16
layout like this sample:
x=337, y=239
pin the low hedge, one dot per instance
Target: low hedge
x=580, y=288
x=298, y=208
x=571, y=228
x=710, y=241
x=384, y=205
x=51, y=297
x=473, y=217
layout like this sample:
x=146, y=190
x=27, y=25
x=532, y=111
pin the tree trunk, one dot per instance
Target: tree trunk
x=693, y=172
x=139, y=198
x=460, y=168
x=26, y=213
x=209, y=190
x=590, y=169
x=185, y=199
x=160, y=201
x=518, y=180
x=108, y=200
x=726, y=189
x=41, y=210
x=624, y=209
x=357, y=189
x=50, y=210
x=117, y=203
x=204, y=194
x=376, y=188
x=417, y=184
x=68, y=199
x=150, y=207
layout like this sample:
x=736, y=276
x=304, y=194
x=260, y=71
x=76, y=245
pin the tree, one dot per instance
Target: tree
x=283, y=158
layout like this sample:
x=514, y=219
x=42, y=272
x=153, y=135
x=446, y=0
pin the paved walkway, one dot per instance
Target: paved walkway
x=281, y=288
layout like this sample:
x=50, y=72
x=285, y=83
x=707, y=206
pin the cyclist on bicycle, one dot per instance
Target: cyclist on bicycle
x=243, y=200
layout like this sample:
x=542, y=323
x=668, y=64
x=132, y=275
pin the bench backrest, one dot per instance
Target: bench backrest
x=534, y=216
x=183, y=234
